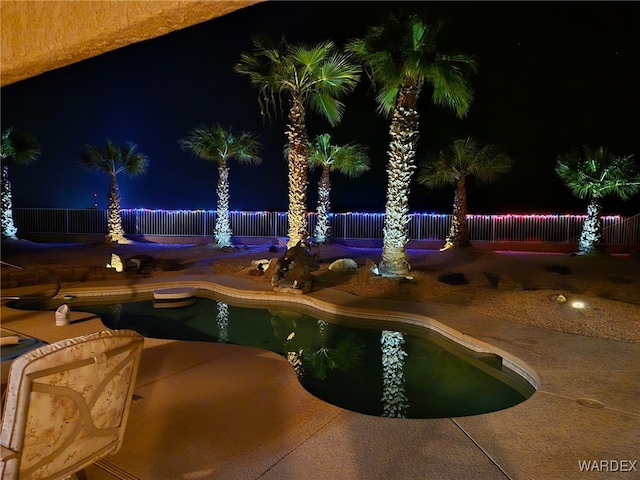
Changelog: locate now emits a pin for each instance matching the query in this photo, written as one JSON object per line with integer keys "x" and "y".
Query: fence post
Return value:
{"x": 344, "y": 226}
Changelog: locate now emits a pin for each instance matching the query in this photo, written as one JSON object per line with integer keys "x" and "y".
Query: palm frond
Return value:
{"x": 218, "y": 143}
{"x": 312, "y": 73}
{"x": 404, "y": 50}
{"x": 21, "y": 147}
{"x": 436, "y": 173}
{"x": 465, "y": 157}
{"x": 350, "y": 159}
{"x": 595, "y": 172}
{"x": 327, "y": 106}
{"x": 114, "y": 159}
{"x": 386, "y": 100}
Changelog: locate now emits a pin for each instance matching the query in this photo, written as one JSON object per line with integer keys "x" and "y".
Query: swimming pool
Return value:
{"x": 357, "y": 365}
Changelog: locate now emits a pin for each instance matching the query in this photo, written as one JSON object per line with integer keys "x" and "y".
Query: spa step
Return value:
{"x": 174, "y": 297}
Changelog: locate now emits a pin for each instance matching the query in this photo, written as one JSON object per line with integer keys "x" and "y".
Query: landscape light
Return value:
{"x": 578, "y": 304}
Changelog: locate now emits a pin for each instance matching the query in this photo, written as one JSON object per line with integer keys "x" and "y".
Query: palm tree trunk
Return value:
{"x": 298, "y": 174}
{"x": 459, "y": 232}
{"x": 115, "y": 232}
{"x": 322, "y": 233}
{"x": 402, "y": 149}
{"x": 9, "y": 230}
{"x": 222, "y": 232}
{"x": 591, "y": 236}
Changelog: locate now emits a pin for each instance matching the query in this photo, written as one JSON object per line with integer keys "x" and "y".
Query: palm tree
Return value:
{"x": 308, "y": 77}
{"x": 113, "y": 160}
{"x": 401, "y": 57}
{"x": 464, "y": 158}
{"x": 350, "y": 160}
{"x": 594, "y": 175}
{"x": 219, "y": 144}
{"x": 22, "y": 148}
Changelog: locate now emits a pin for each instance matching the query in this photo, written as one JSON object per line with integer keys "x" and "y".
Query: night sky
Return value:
{"x": 552, "y": 76}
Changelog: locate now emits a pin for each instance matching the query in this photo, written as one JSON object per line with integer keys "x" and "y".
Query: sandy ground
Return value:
{"x": 527, "y": 288}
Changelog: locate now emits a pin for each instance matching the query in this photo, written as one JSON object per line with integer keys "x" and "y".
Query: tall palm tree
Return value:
{"x": 350, "y": 160}
{"x": 219, "y": 144}
{"x": 308, "y": 77}
{"x": 115, "y": 159}
{"x": 464, "y": 158}
{"x": 402, "y": 56}
{"x": 22, "y": 148}
{"x": 595, "y": 174}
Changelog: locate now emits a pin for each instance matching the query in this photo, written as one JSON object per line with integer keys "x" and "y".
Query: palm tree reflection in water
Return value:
{"x": 116, "y": 313}
{"x": 222, "y": 319}
{"x": 394, "y": 398}
{"x": 310, "y": 353}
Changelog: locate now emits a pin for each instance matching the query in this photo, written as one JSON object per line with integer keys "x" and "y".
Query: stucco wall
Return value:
{"x": 38, "y": 36}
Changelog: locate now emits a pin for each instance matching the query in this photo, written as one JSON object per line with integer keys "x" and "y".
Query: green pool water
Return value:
{"x": 370, "y": 370}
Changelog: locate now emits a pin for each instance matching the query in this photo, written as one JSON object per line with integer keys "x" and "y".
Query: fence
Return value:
{"x": 348, "y": 226}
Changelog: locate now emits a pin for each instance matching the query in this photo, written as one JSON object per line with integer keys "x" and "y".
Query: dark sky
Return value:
{"x": 552, "y": 76}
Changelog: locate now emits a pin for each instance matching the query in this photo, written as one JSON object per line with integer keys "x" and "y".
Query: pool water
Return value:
{"x": 368, "y": 370}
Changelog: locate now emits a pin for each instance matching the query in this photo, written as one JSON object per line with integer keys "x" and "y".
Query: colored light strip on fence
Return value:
{"x": 379, "y": 214}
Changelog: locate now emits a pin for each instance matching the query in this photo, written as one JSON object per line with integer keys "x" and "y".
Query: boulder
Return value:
{"x": 343, "y": 265}
{"x": 116, "y": 263}
{"x": 294, "y": 269}
{"x": 261, "y": 264}
{"x": 140, "y": 263}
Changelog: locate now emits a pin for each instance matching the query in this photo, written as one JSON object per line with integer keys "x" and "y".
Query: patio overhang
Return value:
{"x": 41, "y": 36}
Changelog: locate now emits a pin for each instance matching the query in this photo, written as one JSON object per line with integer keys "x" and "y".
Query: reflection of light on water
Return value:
{"x": 222, "y": 319}
{"x": 295, "y": 360}
{"x": 394, "y": 398}
{"x": 322, "y": 328}
{"x": 295, "y": 357}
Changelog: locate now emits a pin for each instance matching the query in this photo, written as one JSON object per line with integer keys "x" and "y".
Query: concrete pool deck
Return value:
{"x": 220, "y": 411}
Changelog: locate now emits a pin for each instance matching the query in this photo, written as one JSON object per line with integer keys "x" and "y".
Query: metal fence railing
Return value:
{"x": 618, "y": 230}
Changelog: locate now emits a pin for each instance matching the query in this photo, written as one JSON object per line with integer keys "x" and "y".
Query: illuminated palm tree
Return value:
{"x": 594, "y": 175}
{"x": 402, "y": 57}
{"x": 22, "y": 148}
{"x": 464, "y": 158}
{"x": 308, "y": 77}
{"x": 113, "y": 160}
{"x": 350, "y": 160}
{"x": 219, "y": 144}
